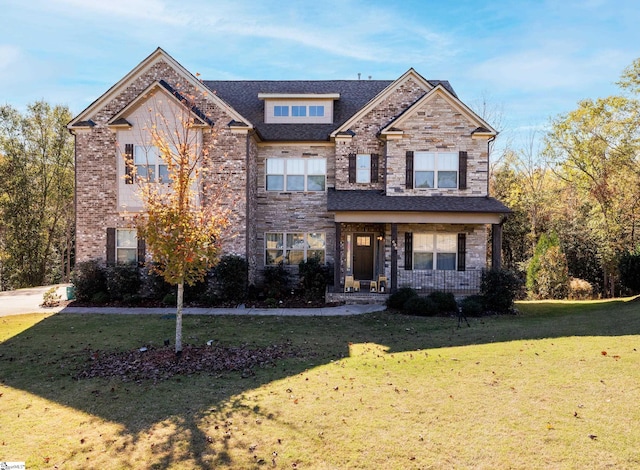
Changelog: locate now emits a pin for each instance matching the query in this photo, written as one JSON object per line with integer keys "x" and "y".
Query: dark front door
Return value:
{"x": 363, "y": 256}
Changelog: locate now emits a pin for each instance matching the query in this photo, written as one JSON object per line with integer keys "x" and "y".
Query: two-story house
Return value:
{"x": 386, "y": 179}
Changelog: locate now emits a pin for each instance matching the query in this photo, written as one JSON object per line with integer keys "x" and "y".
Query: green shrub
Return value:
{"x": 421, "y": 306}
{"x": 397, "y": 300}
{"x": 314, "y": 278}
{"x": 445, "y": 301}
{"x": 276, "y": 282}
{"x": 153, "y": 285}
{"x": 229, "y": 281}
{"x": 473, "y": 306}
{"x": 170, "y": 300}
{"x": 500, "y": 287}
{"x": 122, "y": 281}
{"x": 629, "y": 268}
{"x": 89, "y": 279}
{"x": 100, "y": 298}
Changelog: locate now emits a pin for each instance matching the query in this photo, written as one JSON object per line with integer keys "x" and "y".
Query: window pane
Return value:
{"x": 273, "y": 241}
{"x": 295, "y": 183}
{"x": 447, "y": 242}
{"x": 363, "y": 161}
{"x": 141, "y": 172}
{"x": 315, "y": 183}
{"x": 275, "y": 183}
{"x": 275, "y": 166}
{"x": 274, "y": 257}
{"x": 126, "y": 238}
{"x": 319, "y": 254}
{"x": 316, "y": 240}
{"x": 424, "y": 179}
{"x": 298, "y": 110}
{"x": 423, "y": 242}
{"x": 126, "y": 255}
{"x": 363, "y": 241}
{"x": 447, "y": 261}
{"x": 294, "y": 257}
{"x": 424, "y": 161}
{"x": 447, "y": 179}
{"x": 363, "y": 176}
{"x": 281, "y": 110}
{"x": 163, "y": 174}
{"x": 422, "y": 260}
{"x": 295, "y": 166}
{"x": 317, "y": 166}
{"x": 295, "y": 241}
{"x": 448, "y": 161}
{"x": 145, "y": 155}
{"x": 316, "y": 111}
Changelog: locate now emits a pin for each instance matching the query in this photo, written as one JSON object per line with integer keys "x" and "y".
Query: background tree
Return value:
{"x": 36, "y": 195}
{"x": 182, "y": 231}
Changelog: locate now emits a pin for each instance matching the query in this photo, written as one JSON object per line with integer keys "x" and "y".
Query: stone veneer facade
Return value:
{"x": 239, "y": 158}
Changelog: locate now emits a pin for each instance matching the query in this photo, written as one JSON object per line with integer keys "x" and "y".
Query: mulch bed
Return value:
{"x": 163, "y": 363}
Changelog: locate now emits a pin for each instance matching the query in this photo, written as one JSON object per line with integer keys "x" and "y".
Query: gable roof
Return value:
{"x": 483, "y": 128}
{"x": 157, "y": 56}
{"x": 373, "y": 200}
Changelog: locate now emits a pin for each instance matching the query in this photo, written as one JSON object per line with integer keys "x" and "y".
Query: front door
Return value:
{"x": 363, "y": 256}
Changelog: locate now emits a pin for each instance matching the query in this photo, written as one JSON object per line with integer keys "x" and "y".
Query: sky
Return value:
{"x": 527, "y": 61}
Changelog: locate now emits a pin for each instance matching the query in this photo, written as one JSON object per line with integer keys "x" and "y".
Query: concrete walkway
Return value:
{"x": 28, "y": 301}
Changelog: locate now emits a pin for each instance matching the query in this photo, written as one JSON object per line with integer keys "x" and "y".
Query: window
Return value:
{"x": 149, "y": 166}
{"x": 296, "y": 174}
{"x": 281, "y": 110}
{"x": 126, "y": 246}
{"x": 316, "y": 111}
{"x": 363, "y": 168}
{"x": 436, "y": 170}
{"x": 292, "y": 248}
{"x": 299, "y": 111}
{"x": 435, "y": 251}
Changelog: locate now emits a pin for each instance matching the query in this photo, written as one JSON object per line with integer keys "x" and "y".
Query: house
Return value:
{"x": 386, "y": 179}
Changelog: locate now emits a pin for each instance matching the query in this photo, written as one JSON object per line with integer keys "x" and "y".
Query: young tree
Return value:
{"x": 181, "y": 229}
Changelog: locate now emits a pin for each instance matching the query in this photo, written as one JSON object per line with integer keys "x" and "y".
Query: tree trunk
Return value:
{"x": 179, "y": 319}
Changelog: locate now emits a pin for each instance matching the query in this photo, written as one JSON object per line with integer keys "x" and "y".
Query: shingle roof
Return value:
{"x": 354, "y": 95}
{"x": 368, "y": 200}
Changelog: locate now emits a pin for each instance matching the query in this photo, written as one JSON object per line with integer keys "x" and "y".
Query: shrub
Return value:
{"x": 230, "y": 278}
{"x": 422, "y": 306}
{"x": 579, "y": 289}
{"x": 89, "y": 279}
{"x": 314, "y": 278}
{"x": 548, "y": 273}
{"x": 100, "y": 298}
{"x": 170, "y": 300}
{"x": 499, "y": 288}
{"x": 153, "y": 285}
{"x": 397, "y": 300}
{"x": 276, "y": 282}
{"x": 51, "y": 298}
{"x": 122, "y": 281}
{"x": 629, "y": 268}
{"x": 473, "y": 306}
{"x": 445, "y": 301}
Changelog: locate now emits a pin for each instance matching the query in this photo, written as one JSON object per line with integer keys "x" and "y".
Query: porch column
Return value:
{"x": 394, "y": 257}
{"x": 337, "y": 262}
{"x": 496, "y": 246}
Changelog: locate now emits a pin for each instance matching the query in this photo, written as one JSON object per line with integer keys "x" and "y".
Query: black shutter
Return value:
{"x": 462, "y": 170}
{"x": 142, "y": 250}
{"x": 409, "y": 182}
{"x": 128, "y": 164}
{"x": 374, "y": 167}
{"x": 462, "y": 251}
{"x": 352, "y": 168}
{"x": 408, "y": 251}
{"x": 111, "y": 246}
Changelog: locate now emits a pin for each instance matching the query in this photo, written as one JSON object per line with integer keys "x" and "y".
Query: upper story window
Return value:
{"x": 363, "y": 168}
{"x": 298, "y": 111}
{"x": 149, "y": 166}
{"x": 317, "y": 111}
{"x": 296, "y": 174}
{"x": 436, "y": 170}
{"x": 281, "y": 111}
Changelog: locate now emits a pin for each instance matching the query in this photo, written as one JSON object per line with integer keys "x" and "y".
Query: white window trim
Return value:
{"x": 435, "y": 252}
{"x": 361, "y": 171}
{"x": 149, "y": 150}
{"x": 306, "y": 175}
{"x": 436, "y": 170}
{"x": 306, "y": 249}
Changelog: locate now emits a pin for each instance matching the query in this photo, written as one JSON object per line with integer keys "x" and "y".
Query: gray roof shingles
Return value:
{"x": 371, "y": 200}
{"x": 354, "y": 95}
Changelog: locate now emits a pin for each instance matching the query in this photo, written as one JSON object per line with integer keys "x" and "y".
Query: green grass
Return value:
{"x": 371, "y": 391}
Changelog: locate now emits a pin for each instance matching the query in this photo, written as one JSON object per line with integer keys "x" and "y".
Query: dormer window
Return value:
{"x": 298, "y": 108}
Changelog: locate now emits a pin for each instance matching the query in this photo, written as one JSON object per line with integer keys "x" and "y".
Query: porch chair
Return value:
{"x": 348, "y": 283}
{"x": 382, "y": 284}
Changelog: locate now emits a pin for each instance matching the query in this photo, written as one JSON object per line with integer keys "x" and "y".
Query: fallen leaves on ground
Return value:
{"x": 162, "y": 363}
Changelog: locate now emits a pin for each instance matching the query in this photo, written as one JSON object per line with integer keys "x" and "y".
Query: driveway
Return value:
{"x": 28, "y": 300}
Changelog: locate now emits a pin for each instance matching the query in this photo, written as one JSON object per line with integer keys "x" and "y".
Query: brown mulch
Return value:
{"x": 163, "y": 363}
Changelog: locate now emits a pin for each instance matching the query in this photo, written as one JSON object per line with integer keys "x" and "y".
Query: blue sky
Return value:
{"x": 529, "y": 60}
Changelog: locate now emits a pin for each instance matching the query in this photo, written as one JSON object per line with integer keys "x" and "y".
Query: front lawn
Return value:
{"x": 553, "y": 387}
